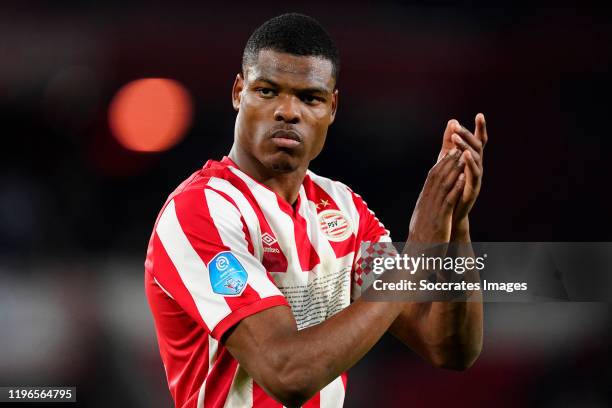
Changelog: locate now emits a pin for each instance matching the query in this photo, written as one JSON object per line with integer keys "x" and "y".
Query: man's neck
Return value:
{"x": 286, "y": 185}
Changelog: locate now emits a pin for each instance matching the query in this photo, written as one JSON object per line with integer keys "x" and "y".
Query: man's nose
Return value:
{"x": 288, "y": 109}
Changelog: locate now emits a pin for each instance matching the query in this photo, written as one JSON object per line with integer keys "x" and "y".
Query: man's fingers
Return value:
{"x": 451, "y": 172}
{"x": 449, "y": 131}
{"x": 466, "y": 135}
{"x": 453, "y": 195}
{"x": 474, "y": 169}
{"x": 452, "y": 155}
{"x": 447, "y": 143}
{"x": 481, "y": 129}
{"x": 464, "y": 146}
{"x": 448, "y": 176}
{"x": 448, "y": 163}
{"x": 443, "y": 175}
{"x": 461, "y": 168}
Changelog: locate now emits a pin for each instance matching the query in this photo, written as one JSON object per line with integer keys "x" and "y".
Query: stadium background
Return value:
{"x": 77, "y": 208}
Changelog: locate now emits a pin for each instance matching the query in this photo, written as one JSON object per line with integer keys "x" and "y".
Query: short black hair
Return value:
{"x": 292, "y": 33}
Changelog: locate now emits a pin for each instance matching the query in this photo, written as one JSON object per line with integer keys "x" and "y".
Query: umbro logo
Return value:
{"x": 268, "y": 240}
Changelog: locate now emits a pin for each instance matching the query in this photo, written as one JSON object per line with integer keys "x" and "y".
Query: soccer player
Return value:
{"x": 251, "y": 271}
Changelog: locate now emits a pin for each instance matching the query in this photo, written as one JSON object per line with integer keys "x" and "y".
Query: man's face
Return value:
{"x": 285, "y": 104}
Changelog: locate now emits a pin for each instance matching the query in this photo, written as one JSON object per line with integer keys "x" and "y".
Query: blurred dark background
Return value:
{"x": 77, "y": 207}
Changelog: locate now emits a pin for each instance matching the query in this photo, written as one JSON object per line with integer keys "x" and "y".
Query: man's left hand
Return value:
{"x": 472, "y": 146}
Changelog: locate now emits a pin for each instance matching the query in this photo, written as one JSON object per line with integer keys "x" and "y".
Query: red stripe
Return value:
{"x": 314, "y": 402}
{"x": 248, "y": 296}
{"x": 177, "y": 331}
{"x": 220, "y": 379}
{"x": 246, "y": 233}
{"x": 306, "y": 253}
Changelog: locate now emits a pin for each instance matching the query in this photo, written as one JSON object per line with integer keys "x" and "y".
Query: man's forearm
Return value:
{"x": 446, "y": 333}
{"x": 332, "y": 347}
{"x": 455, "y": 327}
{"x": 293, "y": 365}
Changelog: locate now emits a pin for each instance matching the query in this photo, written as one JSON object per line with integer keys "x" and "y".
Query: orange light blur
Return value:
{"x": 150, "y": 115}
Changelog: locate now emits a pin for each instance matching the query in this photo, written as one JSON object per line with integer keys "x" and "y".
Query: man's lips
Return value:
{"x": 286, "y": 138}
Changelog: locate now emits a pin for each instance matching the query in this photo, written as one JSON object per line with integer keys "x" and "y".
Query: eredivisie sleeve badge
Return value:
{"x": 227, "y": 275}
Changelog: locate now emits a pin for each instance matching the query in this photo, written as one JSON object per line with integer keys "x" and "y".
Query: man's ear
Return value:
{"x": 334, "y": 106}
{"x": 237, "y": 91}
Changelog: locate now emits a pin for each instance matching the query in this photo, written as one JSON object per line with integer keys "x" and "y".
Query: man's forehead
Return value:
{"x": 308, "y": 71}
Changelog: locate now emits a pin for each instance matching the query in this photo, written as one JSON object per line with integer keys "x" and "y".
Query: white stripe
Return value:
{"x": 162, "y": 288}
{"x": 332, "y": 396}
{"x": 211, "y": 306}
{"x": 245, "y": 209}
{"x": 280, "y": 223}
{"x": 212, "y": 356}
{"x": 201, "y": 394}
{"x": 213, "y": 345}
{"x": 240, "y": 394}
{"x": 227, "y": 221}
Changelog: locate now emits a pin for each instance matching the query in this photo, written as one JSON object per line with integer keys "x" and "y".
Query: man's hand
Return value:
{"x": 472, "y": 148}
{"x": 431, "y": 220}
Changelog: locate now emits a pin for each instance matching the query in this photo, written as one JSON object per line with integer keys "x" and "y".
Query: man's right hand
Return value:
{"x": 431, "y": 220}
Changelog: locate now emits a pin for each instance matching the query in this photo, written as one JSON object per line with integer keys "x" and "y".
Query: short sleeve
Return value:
{"x": 203, "y": 258}
{"x": 370, "y": 230}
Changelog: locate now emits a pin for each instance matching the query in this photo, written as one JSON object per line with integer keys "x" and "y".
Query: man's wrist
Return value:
{"x": 461, "y": 231}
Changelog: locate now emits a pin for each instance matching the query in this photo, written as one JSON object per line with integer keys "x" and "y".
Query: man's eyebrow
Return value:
{"x": 262, "y": 79}
{"x": 311, "y": 89}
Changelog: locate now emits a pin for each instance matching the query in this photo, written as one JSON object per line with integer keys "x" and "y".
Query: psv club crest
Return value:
{"x": 335, "y": 225}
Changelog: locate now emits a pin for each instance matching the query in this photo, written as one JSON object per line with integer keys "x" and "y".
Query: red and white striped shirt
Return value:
{"x": 225, "y": 247}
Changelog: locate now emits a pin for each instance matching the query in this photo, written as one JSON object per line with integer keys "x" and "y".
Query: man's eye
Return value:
{"x": 265, "y": 92}
{"x": 311, "y": 100}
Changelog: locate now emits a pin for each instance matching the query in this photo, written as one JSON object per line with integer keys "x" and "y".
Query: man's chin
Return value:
{"x": 283, "y": 162}
{"x": 283, "y": 167}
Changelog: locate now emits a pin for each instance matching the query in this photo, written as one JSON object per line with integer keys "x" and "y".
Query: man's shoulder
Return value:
{"x": 329, "y": 185}
{"x": 193, "y": 189}
{"x": 336, "y": 190}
